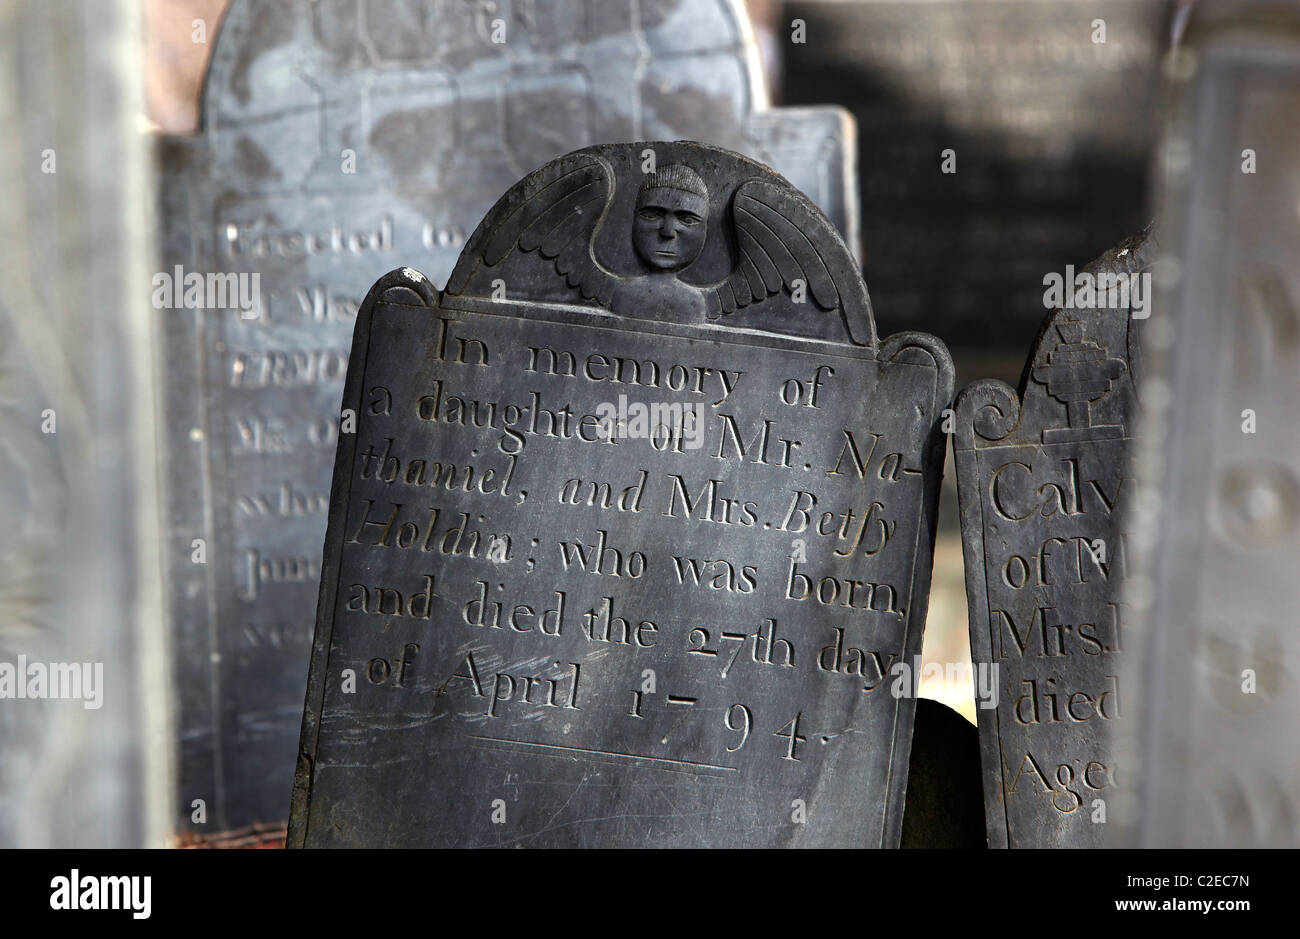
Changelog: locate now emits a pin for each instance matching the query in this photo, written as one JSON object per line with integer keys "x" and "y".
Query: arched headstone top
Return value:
{"x": 263, "y": 43}
{"x": 293, "y": 84}
{"x": 1081, "y": 379}
{"x": 680, "y": 232}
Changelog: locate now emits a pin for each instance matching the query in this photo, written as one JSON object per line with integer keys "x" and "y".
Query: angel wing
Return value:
{"x": 557, "y": 213}
{"x": 776, "y": 253}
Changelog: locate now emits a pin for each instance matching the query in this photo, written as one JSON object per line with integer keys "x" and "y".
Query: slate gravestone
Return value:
{"x": 1220, "y": 455}
{"x": 83, "y": 675}
{"x": 1043, "y": 479}
{"x": 636, "y": 520}
{"x": 340, "y": 139}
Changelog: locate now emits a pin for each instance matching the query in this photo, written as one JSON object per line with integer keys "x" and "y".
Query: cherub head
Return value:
{"x": 672, "y": 213}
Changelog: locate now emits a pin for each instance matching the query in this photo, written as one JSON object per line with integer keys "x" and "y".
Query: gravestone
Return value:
{"x": 1043, "y": 478}
{"x": 636, "y": 520}
{"x": 1219, "y": 459}
{"x": 83, "y": 673}
{"x": 339, "y": 138}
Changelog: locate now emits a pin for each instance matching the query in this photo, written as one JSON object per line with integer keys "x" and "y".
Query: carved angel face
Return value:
{"x": 669, "y": 228}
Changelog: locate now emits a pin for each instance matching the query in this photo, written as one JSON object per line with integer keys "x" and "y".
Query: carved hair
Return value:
{"x": 677, "y": 176}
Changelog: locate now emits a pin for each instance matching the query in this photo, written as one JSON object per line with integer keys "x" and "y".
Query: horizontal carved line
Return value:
{"x": 626, "y": 756}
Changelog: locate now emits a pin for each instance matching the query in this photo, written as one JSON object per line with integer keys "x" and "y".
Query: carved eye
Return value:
{"x": 650, "y": 215}
{"x": 689, "y": 218}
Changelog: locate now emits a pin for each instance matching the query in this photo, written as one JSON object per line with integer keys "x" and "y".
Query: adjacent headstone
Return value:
{"x": 84, "y": 760}
{"x": 634, "y": 523}
{"x": 1043, "y": 478}
{"x": 1219, "y": 658}
{"x": 340, "y": 138}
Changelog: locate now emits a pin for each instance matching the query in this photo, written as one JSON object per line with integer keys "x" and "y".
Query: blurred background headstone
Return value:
{"x": 80, "y": 592}
{"x": 1047, "y": 108}
{"x": 1217, "y": 753}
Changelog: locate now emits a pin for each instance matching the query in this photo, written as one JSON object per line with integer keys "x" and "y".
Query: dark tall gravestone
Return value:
{"x": 636, "y": 518}
{"x": 1218, "y": 665}
{"x": 340, "y": 138}
{"x": 1043, "y": 479}
{"x": 1045, "y": 111}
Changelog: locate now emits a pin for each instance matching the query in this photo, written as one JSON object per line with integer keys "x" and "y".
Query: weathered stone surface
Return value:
{"x": 641, "y": 638}
{"x": 1043, "y": 478}
{"x": 81, "y": 617}
{"x": 341, "y": 138}
{"x": 1219, "y": 458}
{"x": 944, "y": 806}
